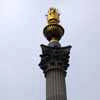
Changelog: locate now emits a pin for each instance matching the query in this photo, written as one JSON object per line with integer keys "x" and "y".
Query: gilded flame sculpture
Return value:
{"x": 53, "y": 16}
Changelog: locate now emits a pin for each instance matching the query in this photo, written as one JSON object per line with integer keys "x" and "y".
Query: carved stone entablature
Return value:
{"x": 54, "y": 58}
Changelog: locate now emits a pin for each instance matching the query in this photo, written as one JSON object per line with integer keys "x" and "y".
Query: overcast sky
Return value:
{"x": 21, "y": 26}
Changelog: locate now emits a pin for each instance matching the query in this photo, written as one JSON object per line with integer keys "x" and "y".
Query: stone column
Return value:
{"x": 54, "y": 63}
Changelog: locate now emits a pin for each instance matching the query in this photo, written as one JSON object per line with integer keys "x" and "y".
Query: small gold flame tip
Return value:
{"x": 53, "y": 16}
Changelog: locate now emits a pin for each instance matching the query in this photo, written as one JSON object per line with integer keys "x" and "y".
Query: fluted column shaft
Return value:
{"x": 55, "y": 85}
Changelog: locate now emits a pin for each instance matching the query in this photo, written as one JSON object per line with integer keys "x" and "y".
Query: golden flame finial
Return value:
{"x": 53, "y": 16}
{"x": 53, "y": 31}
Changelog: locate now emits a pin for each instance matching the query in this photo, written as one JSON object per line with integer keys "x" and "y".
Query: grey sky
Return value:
{"x": 21, "y": 25}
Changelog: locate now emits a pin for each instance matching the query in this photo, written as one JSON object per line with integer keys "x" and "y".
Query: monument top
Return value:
{"x": 53, "y": 31}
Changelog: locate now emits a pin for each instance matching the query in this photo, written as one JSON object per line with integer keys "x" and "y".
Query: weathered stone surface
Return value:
{"x": 54, "y": 63}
